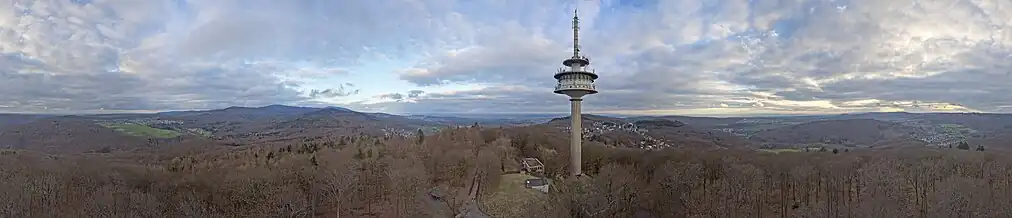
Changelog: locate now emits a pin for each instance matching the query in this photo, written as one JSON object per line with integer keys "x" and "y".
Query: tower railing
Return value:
{"x": 569, "y": 70}
{"x": 575, "y": 86}
{"x": 581, "y": 57}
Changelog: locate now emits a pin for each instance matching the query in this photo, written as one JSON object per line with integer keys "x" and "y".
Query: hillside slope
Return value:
{"x": 1000, "y": 139}
{"x": 344, "y": 122}
{"x": 686, "y": 135}
{"x": 649, "y": 133}
{"x": 67, "y": 135}
{"x": 276, "y": 124}
{"x": 852, "y": 132}
{"x": 15, "y": 119}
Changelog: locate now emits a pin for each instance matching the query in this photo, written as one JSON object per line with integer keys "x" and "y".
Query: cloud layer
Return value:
{"x": 654, "y": 57}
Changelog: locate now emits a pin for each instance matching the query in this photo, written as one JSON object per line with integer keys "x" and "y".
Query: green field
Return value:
{"x": 760, "y": 127}
{"x": 953, "y": 126}
{"x": 139, "y": 130}
{"x": 779, "y": 150}
{"x": 199, "y": 132}
{"x": 956, "y": 128}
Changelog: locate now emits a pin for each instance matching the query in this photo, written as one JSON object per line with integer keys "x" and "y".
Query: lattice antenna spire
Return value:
{"x": 576, "y": 33}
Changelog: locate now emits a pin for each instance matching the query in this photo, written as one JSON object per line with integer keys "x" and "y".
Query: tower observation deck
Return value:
{"x": 576, "y": 80}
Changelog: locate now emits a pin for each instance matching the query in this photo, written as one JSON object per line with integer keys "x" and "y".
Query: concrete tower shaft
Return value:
{"x": 575, "y": 137}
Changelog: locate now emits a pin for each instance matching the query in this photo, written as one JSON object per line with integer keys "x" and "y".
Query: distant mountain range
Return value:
{"x": 239, "y": 126}
{"x": 650, "y": 133}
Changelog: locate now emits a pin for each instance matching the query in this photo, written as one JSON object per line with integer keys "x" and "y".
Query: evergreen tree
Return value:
{"x": 421, "y": 136}
{"x": 963, "y": 145}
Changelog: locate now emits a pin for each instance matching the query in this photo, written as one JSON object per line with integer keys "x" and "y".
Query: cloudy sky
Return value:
{"x": 695, "y": 57}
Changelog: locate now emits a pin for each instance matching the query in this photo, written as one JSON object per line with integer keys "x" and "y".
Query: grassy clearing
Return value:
{"x": 511, "y": 197}
{"x": 950, "y": 125}
{"x": 956, "y": 128}
{"x": 761, "y": 127}
{"x": 199, "y": 132}
{"x": 139, "y": 130}
{"x": 779, "y": 150}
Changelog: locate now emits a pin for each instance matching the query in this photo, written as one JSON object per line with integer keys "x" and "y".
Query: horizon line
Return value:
{"x": 602, "y": 113}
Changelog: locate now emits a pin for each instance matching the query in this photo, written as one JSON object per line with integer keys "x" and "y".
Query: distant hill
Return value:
{"x": 483, "y": 121}
{"x": 238, "y": 121}
{"x": 648, "y": 133}
{"x": 15, "y": 119}
{"x": 66, "y": 134}
{"x": 1000, "y": 139}
{"x": 587, "y": 118}
{"x": 686, "y": 135}
{"x": 852, "y": 132}
{"x": 279, "y": 124}
{"x": 493, "y": 117}
{"x": 242, "y": 113}
{"x": 977, "y": 121}
{"x": 233, "y": 126}
{"x": 701, "y": 122}
{"x": 329, "y": 121}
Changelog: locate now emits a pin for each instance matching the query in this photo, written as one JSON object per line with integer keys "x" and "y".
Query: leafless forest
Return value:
{"x": 358, "y": 176}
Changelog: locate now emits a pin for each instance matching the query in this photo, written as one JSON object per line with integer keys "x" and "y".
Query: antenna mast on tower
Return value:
{"x": 576, "y": 33}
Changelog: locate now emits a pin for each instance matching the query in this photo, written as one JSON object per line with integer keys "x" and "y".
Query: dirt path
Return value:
{"x": 438, "y": 207}
{"x": 471, "y": 209}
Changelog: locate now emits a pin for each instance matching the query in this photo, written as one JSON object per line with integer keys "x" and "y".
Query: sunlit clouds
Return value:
{"x": 408, "y": 56}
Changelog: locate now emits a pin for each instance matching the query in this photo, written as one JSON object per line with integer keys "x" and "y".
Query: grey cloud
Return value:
{"x": 483, "y": 100}
{"x": 342, "y": 91}
{"x": 775, "y": 55}
{"x": 415, "y": 93}
{"x": 209, "y": 88}
{"x": 513, "y": 60}
{"x": 982, "y": 93}
{"x": 158, "y": 55}
{"x": 793, "y": 51}
{"x": 316, "y": 73}
{"x": 394, "y": 96}
{"x": 40, "y": 91}
{"x": 295, "y": 33}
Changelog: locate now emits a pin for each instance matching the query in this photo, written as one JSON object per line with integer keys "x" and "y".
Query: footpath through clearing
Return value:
{"x": 471, "y": 209}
